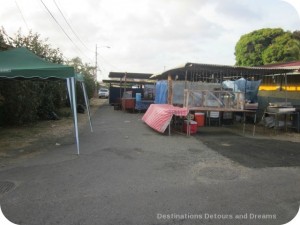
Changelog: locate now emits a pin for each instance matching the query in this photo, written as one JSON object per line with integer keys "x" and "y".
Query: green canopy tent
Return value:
{"x": 20, "y": 63}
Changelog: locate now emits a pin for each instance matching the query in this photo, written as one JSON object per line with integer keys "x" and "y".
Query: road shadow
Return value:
{"x": 250, "y": 152}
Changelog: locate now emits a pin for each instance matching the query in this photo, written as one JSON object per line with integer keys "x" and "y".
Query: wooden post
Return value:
{"x": 188, "y": 98}
{"x": 186, "y": 93}
{"x": 185, "y": 80}
{"x": 170, "y": 90}
{"x": 285, "y": 93}
{"x": 125, "y": 80}
{"x": 185, "y": 98}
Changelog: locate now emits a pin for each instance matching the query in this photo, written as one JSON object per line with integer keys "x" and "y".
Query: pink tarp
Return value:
{"x": 158, "y": 116}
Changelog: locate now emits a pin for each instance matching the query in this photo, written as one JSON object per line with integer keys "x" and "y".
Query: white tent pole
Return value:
{"x": 69, "y": 92}
{"x": 75, "y": 111}
{"x": 70, "y": 99}
{"x": 87, "y": 104}
{"x": 72, "y": 96}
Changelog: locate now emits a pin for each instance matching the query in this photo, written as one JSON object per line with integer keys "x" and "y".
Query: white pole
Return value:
{"x": 87, "y": 104}
{"x": 72, "y": 96}
{"x": 75, "y": 111}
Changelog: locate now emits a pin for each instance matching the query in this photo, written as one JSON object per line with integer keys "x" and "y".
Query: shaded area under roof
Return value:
{"x": 127, "y": 82}
{"x": 130, "y": 75}
{"x": 192, "y": 71}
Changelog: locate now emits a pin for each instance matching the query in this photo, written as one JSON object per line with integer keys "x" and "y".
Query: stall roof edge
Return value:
{"x": 130, "y": 75}
{"x": 129, "y": 82}
{"x": 214, "y": 68}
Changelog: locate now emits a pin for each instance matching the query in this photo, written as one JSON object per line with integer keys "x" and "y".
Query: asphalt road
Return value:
{"x": 129, "y": 174}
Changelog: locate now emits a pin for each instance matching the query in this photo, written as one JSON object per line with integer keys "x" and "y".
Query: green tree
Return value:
{"x": 88, "y": 74}
{"x": 38, "y": 46}
{"x": 266, "y": 46}
{"x": 3, "y": 40}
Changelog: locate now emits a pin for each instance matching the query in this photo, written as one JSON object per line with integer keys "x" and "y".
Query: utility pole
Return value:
{"x": 96, "y": 63}
{"x": 96, "y": 69}
{"x": 96, "y": 59}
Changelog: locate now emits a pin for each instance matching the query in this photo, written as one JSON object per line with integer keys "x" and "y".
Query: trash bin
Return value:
{"x": 200, "y": 118}
{"x": 193, "y": 126}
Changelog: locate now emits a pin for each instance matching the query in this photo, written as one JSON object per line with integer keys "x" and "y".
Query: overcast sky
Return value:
{"x": 147, "y": 36}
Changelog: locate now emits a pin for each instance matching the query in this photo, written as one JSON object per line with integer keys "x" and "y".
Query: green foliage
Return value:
{"x": 3, "y": 41}
{"x": 266, "y": 46}
{"x": 283, "y": 49}
{"x": 52, "y": 96}
{"x": 20, "y": 102}
{"x": 40, "y": 47}
{"x": 89, "y": 79}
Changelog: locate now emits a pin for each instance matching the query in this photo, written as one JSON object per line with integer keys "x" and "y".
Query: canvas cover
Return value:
{"x": 158, "y": 116}
{"x": 161, "y": 92}
{"x": 22, "y": 63}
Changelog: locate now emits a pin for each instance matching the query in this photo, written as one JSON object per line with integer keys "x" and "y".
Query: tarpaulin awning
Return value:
{"x": 22, "y": 63}
{"x": 158, "y": 116}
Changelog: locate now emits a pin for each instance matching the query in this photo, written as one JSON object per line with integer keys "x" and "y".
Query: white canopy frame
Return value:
{"x": 71, "y": 82}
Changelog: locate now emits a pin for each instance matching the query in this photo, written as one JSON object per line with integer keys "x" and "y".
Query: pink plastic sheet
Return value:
{"x": 158, "y": 116}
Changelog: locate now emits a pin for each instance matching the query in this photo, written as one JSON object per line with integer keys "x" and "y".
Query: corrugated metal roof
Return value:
{"x": 130, "y": 75}
{"x": 129, "y": 82}
{"x": 293, "y": 64}
{"x": 199, "y": 69}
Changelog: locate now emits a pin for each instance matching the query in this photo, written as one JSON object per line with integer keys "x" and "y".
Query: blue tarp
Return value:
{"x": 250, "y": 88}
{"x": 161, "y": 92}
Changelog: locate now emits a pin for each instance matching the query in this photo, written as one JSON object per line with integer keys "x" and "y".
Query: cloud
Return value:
{"x": 238, "y": 10}
{"x": 148, "y": 35}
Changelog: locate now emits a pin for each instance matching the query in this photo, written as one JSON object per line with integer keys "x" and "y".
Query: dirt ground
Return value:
{"x": 31, "y": 139}
{"x": 34, "y": 138}
{"x": 269, "y": 133}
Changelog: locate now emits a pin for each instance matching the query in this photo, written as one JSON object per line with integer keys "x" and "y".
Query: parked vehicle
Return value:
{"x": 103, "y": 93}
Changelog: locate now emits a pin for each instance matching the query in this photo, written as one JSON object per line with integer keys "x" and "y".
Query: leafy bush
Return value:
{"x": 89, "y": 79}
{"x": 26, "y": 101}
{"x": 20, "y": 103}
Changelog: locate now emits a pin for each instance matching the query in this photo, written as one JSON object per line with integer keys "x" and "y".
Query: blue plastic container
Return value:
{"x": 138, "y": 97}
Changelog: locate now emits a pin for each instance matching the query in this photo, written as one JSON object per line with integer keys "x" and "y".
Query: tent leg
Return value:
{"x": 72, "y": 96}
{"x": 87, "y": 104}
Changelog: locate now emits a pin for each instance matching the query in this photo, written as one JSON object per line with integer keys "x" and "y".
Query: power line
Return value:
{"x": 70, "y": 26}
{"x": 22, "y": 15}
{"x": 107, "y": 62}
{"x": 63, "y": 30}
{"x": 62, "y": 14}
{"x": 73, "y": 31}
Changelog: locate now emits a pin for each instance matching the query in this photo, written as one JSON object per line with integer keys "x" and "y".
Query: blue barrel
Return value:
{"x": 138, "y": 97}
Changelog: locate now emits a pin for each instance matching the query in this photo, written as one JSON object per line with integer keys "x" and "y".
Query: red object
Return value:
{"x": 200, "y": 118}
{"x": 158, "y": 116}
{"x": 128, "y": 103}
{"x": 193, "y": 126}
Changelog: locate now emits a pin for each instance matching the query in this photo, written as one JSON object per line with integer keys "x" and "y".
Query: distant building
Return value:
{"x": 278, "y": 82}
{"x": 281, "y": 88}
